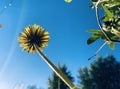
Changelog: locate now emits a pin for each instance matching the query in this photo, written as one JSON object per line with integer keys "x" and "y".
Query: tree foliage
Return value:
{"x": 109, "y": 23}
{"x": 103, "y": 73}
{"x": 33, "y": 87}
{"x": 56, "y": 83}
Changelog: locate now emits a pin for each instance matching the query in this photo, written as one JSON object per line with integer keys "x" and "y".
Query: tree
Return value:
{"x": 104, "y": 73}
{"x": 56, "y": 83}
{"x": 33, "y": 87}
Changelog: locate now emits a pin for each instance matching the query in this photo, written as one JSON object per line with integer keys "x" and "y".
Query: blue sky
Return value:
{"x": 67, "y": 25}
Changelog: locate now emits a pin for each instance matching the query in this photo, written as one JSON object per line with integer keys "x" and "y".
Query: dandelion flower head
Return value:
{"x": 32, "y": 37}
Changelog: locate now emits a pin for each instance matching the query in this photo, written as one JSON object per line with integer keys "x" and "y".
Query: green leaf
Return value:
{"x": 94, "y": 31}
{"x": 92, "y": 39}
{"x": 108, "y": 12}
{"x": 106, "y": 18}
{"x": 94, "y": 0}
{"x": 114, "y": 37}
{"x": 112, "y": 46}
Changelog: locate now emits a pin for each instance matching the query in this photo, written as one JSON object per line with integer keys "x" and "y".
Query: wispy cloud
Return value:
{"x": 19, "y": 86}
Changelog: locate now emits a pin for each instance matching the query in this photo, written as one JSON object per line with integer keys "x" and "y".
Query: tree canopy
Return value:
{"x": 56, "y": 83}
{"x": 104, "y": 73}
{"x": 33, "y": 87}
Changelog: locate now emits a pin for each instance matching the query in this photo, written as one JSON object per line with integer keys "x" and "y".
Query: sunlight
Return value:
{"x": 9, "y": 3}
{"x": 8, "y": 58}
{"x": 3, "y": 85}
{"x": 14, "y": 41}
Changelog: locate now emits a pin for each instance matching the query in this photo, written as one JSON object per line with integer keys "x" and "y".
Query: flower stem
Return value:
{"x": 56, "y": 70}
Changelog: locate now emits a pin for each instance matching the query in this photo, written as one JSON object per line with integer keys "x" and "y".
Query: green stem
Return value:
{"x": 55, "y": 69}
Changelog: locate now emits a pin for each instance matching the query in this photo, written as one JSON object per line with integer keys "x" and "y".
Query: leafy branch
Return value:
{"x": 99, "y": 24}
{"x": 110, "y": 28}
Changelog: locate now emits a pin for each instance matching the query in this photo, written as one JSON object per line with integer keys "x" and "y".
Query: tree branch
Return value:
{"x": 98, "y": 50}
{"x": 100, "y": 25}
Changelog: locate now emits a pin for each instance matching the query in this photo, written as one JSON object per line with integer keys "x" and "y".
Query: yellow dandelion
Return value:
{"x": 34, "y": 39}
{"x": 33, "y": 36}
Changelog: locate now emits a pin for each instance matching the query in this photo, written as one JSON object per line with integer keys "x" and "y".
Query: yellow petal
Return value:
{"x": 35, "y": 26}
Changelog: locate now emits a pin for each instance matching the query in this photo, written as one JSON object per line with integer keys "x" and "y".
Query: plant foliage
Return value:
{"x": 109, "y": 23}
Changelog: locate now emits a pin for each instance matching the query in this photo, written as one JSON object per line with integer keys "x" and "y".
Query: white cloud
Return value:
{"x": 19, "y": 86}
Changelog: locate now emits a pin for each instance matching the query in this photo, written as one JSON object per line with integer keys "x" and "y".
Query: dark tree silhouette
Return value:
{"x": 33, "y": 87}
{"x": 103, "y": 73}
{"x": 55, "y": 82}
